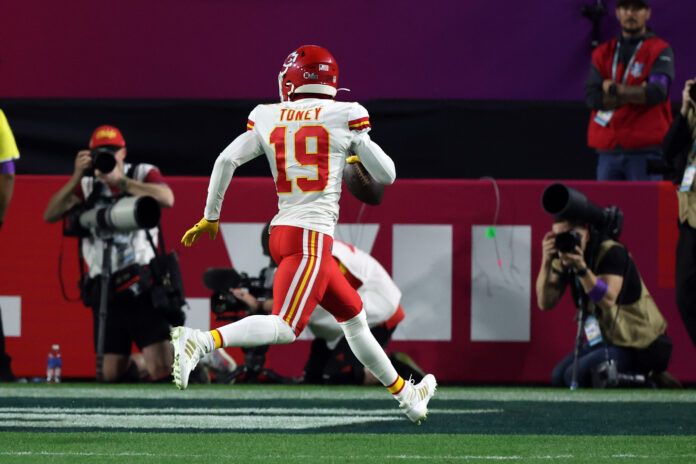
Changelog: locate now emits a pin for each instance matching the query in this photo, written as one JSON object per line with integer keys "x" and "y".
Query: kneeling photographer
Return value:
{"x": 115, "y": 207}
{"x": 624, "y": 332}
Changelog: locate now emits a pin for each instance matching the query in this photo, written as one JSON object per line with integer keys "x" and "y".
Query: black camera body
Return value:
{"x": 567, "y": 241}
{"x": 103, "y": 159}
{"x": 223, "y": 303}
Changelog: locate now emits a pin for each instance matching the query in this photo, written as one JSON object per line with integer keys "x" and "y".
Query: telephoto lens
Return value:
{"x": 125, "y": 215}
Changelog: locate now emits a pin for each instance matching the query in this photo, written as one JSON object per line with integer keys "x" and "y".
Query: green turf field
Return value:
{"x": 83, "y": 423}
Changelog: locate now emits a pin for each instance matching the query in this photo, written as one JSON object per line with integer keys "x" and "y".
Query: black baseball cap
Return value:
{"x": 638, "y": 3}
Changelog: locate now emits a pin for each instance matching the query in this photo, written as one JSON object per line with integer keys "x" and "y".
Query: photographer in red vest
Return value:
{"x": 628, "y": 92}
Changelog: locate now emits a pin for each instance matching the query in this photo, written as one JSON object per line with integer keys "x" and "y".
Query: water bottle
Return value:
{"x": 55, "y": 365}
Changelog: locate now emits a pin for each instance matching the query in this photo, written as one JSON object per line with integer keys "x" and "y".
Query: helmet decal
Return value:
{"x": 290, "y": 60}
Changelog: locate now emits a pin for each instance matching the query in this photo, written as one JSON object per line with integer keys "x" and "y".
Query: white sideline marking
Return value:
{"x": 173, "y": 421}
{"x": 13, "y": 411}
{"x": 202, "y": 418}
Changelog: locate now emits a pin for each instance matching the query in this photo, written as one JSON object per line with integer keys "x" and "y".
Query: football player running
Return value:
{"x": 306, "y": 139}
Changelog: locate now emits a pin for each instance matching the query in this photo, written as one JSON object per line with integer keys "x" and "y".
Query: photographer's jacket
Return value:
{"x": 680, "y": 152}
{"x": 130, "y": 247}
{"x": 634, "y": 321}
{"x": 632, "y": 127}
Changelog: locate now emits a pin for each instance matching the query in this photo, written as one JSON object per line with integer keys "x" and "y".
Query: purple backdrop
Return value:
{"x": 469, "y": 49}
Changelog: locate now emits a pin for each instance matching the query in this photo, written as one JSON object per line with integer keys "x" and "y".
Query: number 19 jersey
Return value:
{"x": 307, "y": 142}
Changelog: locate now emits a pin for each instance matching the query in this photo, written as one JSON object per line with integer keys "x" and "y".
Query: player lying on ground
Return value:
{"x": 306, "y": 139}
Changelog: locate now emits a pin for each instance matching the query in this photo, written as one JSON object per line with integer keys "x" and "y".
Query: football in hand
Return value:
{"x": 361, "y": 184}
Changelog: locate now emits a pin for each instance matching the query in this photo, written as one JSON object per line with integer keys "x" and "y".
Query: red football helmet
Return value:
{"x": 309, "y": 69}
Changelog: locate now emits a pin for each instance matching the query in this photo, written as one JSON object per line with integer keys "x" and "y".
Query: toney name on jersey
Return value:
{"x": 311, "y": 114}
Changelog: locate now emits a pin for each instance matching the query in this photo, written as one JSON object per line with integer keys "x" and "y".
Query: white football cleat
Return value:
{"x": 187, "y": 353}
{"x": 414, "y": 402}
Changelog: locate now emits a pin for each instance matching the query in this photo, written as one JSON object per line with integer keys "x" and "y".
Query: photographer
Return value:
{"x": 680, "y": 154}
{"x": 101, "y": 175}
{"x": 623, "y": 325}
{"x": 627, "y": 90}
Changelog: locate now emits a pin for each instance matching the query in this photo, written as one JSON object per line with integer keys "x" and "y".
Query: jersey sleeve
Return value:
{"x": 251, "y": 119}
{"x": 8, "y": 146}
{"x": 245, "y": 147}
{"x": 358, "y": 119}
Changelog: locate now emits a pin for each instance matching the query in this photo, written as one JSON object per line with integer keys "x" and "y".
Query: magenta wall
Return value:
{"x": 468, "y": 49}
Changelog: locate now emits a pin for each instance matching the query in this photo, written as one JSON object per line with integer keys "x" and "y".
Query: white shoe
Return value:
{"x": 187, "y": 352}
{"x": 414, "y": 401}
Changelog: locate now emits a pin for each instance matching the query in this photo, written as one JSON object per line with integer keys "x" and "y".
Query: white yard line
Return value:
{"x": 199, "y": 418}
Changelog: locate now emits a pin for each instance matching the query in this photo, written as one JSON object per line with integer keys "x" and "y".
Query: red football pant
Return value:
{"x": 307, "y": 275}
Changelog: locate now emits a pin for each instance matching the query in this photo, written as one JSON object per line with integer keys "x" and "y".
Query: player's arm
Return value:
{"x": 8, "y": 153}
{"x": 378, "y": 164}
{"x": 244, "y": 148}
{"x": 6, "y": 189}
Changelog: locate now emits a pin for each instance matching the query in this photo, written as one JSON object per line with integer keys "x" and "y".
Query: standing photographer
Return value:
{"x": 680, "y": 152}
{"x": 627, "y": 90}
{"x": 622, "y": 316}
{"x": 102, "y": 175}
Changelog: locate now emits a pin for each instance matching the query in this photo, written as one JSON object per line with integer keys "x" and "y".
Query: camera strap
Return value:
{"x": 159, "y": 249}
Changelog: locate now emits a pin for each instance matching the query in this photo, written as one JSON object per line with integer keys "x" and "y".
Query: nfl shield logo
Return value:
{"x": 637, "y": 69}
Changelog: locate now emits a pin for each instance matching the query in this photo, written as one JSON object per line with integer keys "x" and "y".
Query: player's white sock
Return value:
{"x": 256, "y": 331}
{"x": 208, "y": 340}
{"x": 369, "y": 352}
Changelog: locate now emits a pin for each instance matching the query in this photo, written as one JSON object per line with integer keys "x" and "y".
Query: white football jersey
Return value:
{"x": 379, "y": 293}
{"x": 306, "y": 143}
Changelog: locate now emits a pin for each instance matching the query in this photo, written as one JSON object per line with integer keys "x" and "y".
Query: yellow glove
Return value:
{"x": 194, "y": 232}
{"x": 352, "y": 159}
